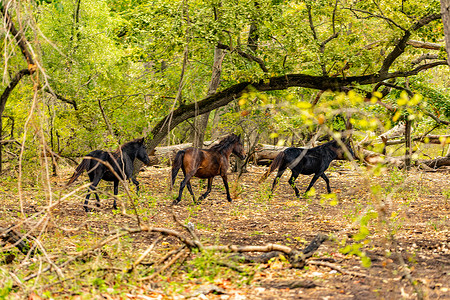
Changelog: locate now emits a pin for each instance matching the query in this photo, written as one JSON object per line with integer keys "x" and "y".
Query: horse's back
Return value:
{"x": 98, "y": 155}
{"x": 314, "y": 160}
{"x": 101, "y": 161}
{"x": 205, "y": 162}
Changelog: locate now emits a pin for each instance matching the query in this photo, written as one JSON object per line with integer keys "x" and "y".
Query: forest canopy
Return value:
{"x": 110, "y": 71}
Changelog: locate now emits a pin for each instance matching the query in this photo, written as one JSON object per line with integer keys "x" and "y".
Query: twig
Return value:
{"x": 191, "y": 230}
{"x": 146, "y": 252}
{"x": 230, "y": 266}
{"x": 166, "y": 266}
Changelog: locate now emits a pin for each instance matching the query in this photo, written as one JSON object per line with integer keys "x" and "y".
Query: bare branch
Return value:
{"x": 20, "y": 38}
{"x": 401, "y": 44}
{"x": 340, "y": 270}
{"x": 372, "y": 15}
{"x": 61, "y": 98}
{"x": 424, "y": 57}
{"x": 424, "y": 45}
{"x": 245, "y": 55}
{"x": 439, "y": 121}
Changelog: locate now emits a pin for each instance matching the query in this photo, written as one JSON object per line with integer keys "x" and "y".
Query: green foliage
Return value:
{"x": 127, "y": 56}
{"x": 6, "y": 287}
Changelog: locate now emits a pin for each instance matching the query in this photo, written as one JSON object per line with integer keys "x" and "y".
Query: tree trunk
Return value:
{"x": 202, "y": 121}
{"x": 445, "y": 15}
{"x": 408, "y": 152}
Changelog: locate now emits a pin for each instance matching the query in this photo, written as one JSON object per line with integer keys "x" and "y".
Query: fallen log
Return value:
{"x": 267, "y": 152}
{"x": 429, "y": 139}
{"x": 373, "y": 158}
{"x": 435, "y": 163}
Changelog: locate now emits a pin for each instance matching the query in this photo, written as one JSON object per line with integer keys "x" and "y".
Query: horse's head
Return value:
{"x": 341, "y": 151}
{"x": 238, "y": 148}
{"x": 141, "y": 152}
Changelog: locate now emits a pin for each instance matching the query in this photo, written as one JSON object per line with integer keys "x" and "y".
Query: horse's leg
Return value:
{"x": 189, "y": 187}
{"x": 277, "y": 178}
{"x": 292, "y": 183}
{"x": 136, "y": 183}
{"x": 313, "y": 180}
{"x": 225, "y": 183}
{"x": 86, "y": 201}
{"x": 92, "y": 189}
{"x": 116, "y": 192}
{"x": 327, "y": 181}
{"x": 182, "y": 185}
{"x": 208, "y": 190}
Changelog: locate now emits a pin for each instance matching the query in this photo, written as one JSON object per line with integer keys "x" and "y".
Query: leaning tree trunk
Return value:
{"x": 22, "y": 44}
{"x": 202, "y": 123}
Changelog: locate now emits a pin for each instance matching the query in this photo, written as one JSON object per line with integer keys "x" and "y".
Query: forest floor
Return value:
{"x": 415, "y": 209}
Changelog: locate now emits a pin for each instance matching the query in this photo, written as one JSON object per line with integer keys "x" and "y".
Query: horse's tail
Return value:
{"x": 273, "y": 166}
{"x": 177, "y": 163}
{"x": 84, "y": 165}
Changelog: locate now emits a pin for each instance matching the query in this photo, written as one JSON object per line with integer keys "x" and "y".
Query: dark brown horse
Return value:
{"x": 109, "y": 166}
{"x": 206, "y": 163}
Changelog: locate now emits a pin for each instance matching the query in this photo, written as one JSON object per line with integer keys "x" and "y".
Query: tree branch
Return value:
{"x": 63, "y": 99}
{"x": 224, "y": 97}
{"x": 401, "y": 44}
{"x": 424, "y": 45}
{"x": 20, "y": 39}
{"x": 424, "y": 57}
{"x": 372, "y": 15}
{"x": 245, "y": 55}
{"x": 12, "y": 84}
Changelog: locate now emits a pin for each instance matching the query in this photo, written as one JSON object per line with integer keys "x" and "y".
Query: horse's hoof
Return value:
{"x": 86, "y": 209}
{"x": 115, "y": 208}
{"x": 175, "y": 202}
{"x": 230, "y": 200}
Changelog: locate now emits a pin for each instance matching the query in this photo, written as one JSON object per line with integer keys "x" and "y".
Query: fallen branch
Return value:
{"x": 181, "y": 252}
{"x": 296, "y": 258}
{"x": 340, "y": 270}
{"x": 9, "y": 235}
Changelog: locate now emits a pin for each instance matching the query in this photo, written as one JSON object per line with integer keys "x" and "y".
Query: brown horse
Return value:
{"x": 206, "y": 163}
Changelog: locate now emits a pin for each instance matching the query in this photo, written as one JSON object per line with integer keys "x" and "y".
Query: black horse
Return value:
{"x": 109, "y": 166}
{"x": 206, "y": 163}
{"x": 307, "y": 161}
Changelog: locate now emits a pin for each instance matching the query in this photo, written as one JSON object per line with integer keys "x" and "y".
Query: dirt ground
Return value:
{"x": 416, "y": 206}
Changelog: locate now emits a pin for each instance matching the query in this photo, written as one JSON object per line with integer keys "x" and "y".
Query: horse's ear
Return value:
{"x": 141, "y": 141}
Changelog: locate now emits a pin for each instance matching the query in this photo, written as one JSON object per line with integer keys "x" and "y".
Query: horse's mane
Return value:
{"x": 126, "y": 145}
{"x": 226, "y": 143}
{"x": 329, "y": 143}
